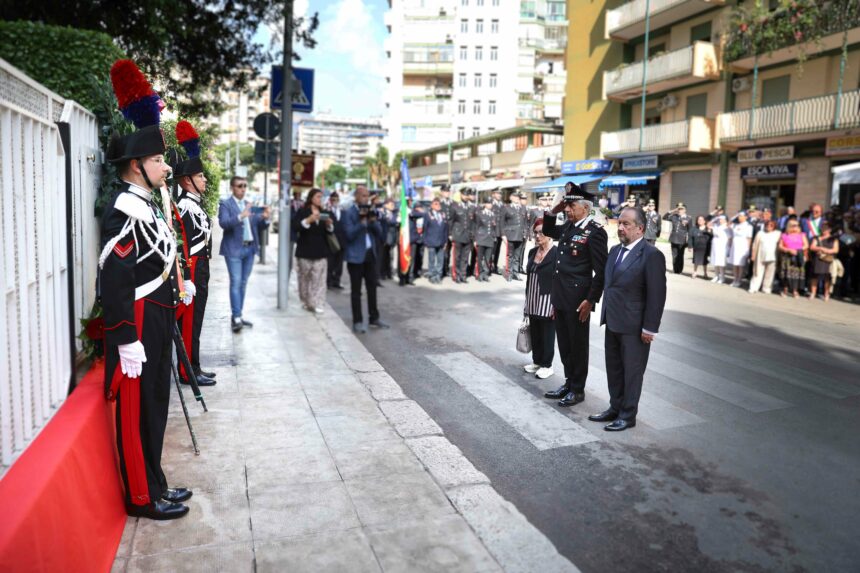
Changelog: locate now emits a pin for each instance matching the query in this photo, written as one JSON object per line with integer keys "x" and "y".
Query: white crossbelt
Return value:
{"x": 196, "y": 248}
{"x": 150, "y": 287}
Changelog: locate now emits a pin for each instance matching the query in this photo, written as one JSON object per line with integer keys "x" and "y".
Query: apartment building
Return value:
{"x": 458, "y": 69}
{"x": 241, "y": 107}
{"x": 700, "y": 118}
{"x": 344, "y": 140}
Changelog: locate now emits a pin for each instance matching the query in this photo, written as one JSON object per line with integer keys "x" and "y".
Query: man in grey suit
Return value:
{"x": 633, "y": 299}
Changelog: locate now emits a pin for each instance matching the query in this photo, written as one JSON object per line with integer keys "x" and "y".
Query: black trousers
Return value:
{"x": 367, "y": 272}
{"x": 446, "y": 263}
{"x": 678, "y": 258}
{"x": 573, "y": 348}
{"x": 542, "y": 331}
{"x": 485, "y": 260}
{"x": 514, "y": 261}
{"x": 497, "y": 249}
{"x": 521, "y": 256}
{"x": 335, "y": 269}
{"x": 201, "y": 283}
{"x": 156, "y": 335}
{"x": 626, "y": 359}
{"x": 462, "y": 252}
{"x": 473, "y": 259}
{"x": 417, "y": 252}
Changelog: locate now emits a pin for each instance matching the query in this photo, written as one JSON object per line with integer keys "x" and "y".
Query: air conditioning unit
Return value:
{"x": 668, "y": 102}
{"x": 741, "y": 84}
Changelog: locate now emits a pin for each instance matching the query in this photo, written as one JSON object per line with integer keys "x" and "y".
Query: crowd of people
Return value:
{"x": 813, "y": 254}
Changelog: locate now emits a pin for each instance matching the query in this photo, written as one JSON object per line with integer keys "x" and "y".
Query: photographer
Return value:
{"x": 364, "y": 238}
{"x": 312, "y": 251}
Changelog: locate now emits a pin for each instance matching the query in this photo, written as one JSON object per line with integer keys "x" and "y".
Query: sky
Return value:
{"x": 348, "y": 59}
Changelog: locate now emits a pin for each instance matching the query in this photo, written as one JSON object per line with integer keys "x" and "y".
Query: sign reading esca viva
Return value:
{"x": 784, "y": 171}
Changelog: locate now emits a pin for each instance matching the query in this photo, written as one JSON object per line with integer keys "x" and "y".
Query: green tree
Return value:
{"x": 358, "y": 172}
{"x": 334, "y": 174}
{"x": 210, "y": 45}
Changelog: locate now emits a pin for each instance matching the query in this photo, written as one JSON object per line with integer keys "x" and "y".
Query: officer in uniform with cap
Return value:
{"x": 469, "y": 197}
{"x": 514, "y": 221}
{"x": 681, "y": 223}
{"x": 653, "y": 223}
{"x": 139, "y": 288}
{"x": 485, "y": 238}
{"x": 446, "y": 203}
{"x": 498, "y": 207}
{"x": 461, "y": 237}
{"x": 195, "y": 228}
{"x": 576, "y": 287}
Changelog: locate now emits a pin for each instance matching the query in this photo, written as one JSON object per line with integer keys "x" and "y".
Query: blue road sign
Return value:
{"x": 303, "y": 89}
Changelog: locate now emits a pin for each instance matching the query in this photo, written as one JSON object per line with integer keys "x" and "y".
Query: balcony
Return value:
{"x": 428, "y": 110}
{"x": 628, "y": 20}
{"x": 811, "y": 118}
{"x": 666, "y": 72}
{"x": 544, "y": 44}
{"x": 428, "y": 61}
{"x": 694, "y": 135}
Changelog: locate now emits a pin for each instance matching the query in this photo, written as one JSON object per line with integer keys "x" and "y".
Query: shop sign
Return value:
{"x": 784, "y": 171}
{"x": 843, "y": 145}
{"x": 588, "y": 166}
{"x": 634, "y": 163}
{"x": 766, "y": 154}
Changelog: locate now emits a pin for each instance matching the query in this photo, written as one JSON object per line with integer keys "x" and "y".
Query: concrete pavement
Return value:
{"x": 313, "y": 459}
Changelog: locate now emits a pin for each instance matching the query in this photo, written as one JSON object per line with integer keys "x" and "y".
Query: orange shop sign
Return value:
{"x": 843, "y": 145}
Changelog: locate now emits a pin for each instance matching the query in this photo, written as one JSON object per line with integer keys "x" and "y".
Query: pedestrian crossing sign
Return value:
{"x": 302, "y": 89}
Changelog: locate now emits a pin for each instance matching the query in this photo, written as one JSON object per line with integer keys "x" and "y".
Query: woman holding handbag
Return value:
{"x": 314, "y": 226}
{"x": 825, "y": 248}
{"x": 538, "y": 308}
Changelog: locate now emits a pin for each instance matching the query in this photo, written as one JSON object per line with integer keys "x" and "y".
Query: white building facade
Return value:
{"x": 462, "y": 68}
{"x": 236, "y": 123}
{"x": 345, "y": 141}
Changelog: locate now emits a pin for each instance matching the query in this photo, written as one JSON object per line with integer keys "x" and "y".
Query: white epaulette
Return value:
{"x": 134, "y": 206}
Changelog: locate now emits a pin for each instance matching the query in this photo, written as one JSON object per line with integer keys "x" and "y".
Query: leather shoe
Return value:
{"x": 247, "y": 323}
{"x": 359, "y": 328}
{"x": 160, "y": 510}
{"x": 236, "y": 324}
{"x": 619, "y": 425}
{"x": 556, "y": 394}
{"x": 516, "y": 278}
{"x": 605, "y": 416}
{"x": 177, "y": 494}
{"x": 201, "y": 381}
{"x": 571, "y": 399}
{"x": 379, "y": 324}
{"x": 207, "y": 374}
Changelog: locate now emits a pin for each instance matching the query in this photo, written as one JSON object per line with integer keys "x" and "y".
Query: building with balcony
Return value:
{"x": 345, "y": 141}
{"x": 236, "y": 122}
{"x": 457, "y": 69}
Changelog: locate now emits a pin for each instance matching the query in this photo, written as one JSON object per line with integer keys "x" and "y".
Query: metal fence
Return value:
{"x": 36, "y": 311}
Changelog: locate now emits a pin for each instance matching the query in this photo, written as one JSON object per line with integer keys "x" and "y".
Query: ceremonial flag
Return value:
{"x": 406, "y": 187}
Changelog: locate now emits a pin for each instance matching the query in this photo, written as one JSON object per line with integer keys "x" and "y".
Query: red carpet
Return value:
{"x": 61, "y": 502}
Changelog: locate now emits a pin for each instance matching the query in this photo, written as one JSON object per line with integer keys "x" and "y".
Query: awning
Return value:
{"x": 489, "y": 184}
{"x": 562, "y": 181}
{"x": 622, "y": 179}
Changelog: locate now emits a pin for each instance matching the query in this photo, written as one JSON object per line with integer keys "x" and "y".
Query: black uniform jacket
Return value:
{"x": 122, "y": 272}
{"x": 460, "y": 223}
{"x": 194, "y": 238}
{"x": 515, "y": 220}
{"x": 579, "y": 263}
{"x": 485, "y": 228}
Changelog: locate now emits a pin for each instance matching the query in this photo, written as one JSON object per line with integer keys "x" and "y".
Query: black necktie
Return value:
{"x": 620, "y": 258}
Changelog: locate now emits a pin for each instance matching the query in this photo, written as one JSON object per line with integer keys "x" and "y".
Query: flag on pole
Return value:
{"x": 406, "y": 187}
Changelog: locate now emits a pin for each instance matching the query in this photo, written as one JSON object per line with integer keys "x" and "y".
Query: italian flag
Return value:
{"x": 405, "y": 254}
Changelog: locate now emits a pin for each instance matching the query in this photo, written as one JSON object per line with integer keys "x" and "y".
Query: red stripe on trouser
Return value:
{"x": 186, "y": 317}
{"x": 507, "y": 258}
{"x": 477, "y": 262}
{"x": 132, "y": 448}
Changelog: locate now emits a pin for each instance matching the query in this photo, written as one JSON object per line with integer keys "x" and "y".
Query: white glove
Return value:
{"x": 131, "y": 358}
{"x": 190, "y": 289}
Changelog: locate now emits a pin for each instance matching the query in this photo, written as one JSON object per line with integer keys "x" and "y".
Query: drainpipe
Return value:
{"x": 838, "y": 107}
{"x": 729, "y": 103}
{"x": 645, "y": 71}
{"x": 754, "y": 96}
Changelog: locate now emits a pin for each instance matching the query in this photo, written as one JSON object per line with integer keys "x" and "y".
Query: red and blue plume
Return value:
{"x": 187, "y": 137}
{"x": 137, "y": 100}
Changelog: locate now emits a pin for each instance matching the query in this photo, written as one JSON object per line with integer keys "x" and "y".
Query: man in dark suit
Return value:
{"x": 363, "y": 235}
{"x": 239, "y": 244}
{"x": 335, "y": 260}
{"x": 576, "y": 287}
{"x": 633, "y": 299}
{"x": 435, "y": 238}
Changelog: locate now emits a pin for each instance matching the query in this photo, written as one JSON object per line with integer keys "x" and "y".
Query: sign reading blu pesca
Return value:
{"x": 784, "y": 171}
{"x": 588, "y": 166}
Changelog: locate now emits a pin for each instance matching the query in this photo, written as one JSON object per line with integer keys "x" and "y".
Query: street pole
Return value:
{"x": 645, "y": 72}
{"x": 264, "y": 235}
{"x": 286, "y": 160}
{"x": 450, "y": 158}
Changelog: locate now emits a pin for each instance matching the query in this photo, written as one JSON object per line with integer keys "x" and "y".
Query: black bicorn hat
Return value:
{"x": 188, "y": 138}
{"x": 142, "y": 106}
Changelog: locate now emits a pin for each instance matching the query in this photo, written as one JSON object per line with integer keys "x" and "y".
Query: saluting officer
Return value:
{"x": 514, "y": 228}
{"x": 446, "y": 204}
{"x": 498, "y": 208}
{"x": 681, "y": 223}
{"x": 653, "y": 222}
{"x": 576, "y": 287}
{"x": 139, "y": 288}
{"x": 195, "y": 228}
{"x": 485, "y": 238}
{"x": 461, "y": 238}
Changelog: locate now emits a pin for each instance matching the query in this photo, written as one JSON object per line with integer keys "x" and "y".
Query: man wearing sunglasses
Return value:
{"x": 239, "y": 244}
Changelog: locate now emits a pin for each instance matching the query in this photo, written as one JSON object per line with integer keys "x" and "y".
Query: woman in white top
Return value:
{"x": 719, "y": 246}
{"x": 763, "y": 256}
{"x": 742, "y": 233}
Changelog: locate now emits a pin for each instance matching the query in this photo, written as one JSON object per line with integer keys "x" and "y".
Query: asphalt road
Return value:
{"x": 747, "y": 452}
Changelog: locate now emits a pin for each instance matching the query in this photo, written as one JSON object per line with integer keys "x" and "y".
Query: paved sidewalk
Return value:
{"x": 313, "y": 459}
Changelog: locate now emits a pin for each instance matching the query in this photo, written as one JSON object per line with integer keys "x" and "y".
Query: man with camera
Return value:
{"x": 363, "y": 234}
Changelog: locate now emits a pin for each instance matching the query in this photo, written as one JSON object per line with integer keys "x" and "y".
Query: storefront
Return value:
{"x": 586, "y": 174}
{"x": 769, "y": 186}
{"x": 639, "y": 177}
{"x": 844, "y": 152}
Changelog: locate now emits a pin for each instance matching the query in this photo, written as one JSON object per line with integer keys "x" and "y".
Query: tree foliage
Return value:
{"x": 336, "y": 173}
{"x": 189, "y": 47}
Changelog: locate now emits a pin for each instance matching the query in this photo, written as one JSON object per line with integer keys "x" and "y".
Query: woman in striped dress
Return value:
{"x": 538, "y": 306}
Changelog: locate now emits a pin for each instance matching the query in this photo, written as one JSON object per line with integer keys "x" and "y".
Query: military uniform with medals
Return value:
{"x": 485, "y": 239}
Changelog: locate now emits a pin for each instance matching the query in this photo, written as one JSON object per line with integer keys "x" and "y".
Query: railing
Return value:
{"x": 811, "y": 115}
{"x": 667, "y": 66}
{"x": 664, "y": 136}
{"x": 633, "y": 12}
{"x": 543, "y": 43}
{"x": 427, "y": 110}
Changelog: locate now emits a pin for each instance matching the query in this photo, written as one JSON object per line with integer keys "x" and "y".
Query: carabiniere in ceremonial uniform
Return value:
{"x": 576, "y": 287}
{"x": 139, "y": 290}
{"x": 195, "y": 228}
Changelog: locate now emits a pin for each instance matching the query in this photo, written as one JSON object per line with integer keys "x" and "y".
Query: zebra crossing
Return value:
{"x": 544, "y": 425}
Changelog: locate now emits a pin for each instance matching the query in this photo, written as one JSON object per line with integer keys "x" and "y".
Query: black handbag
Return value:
{"x": 333, "y": 243}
